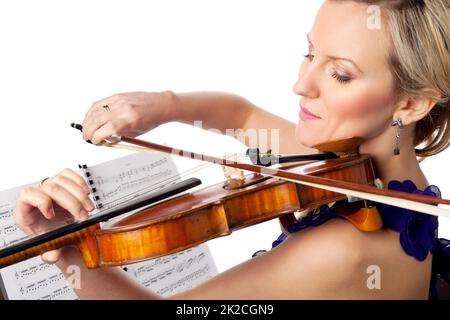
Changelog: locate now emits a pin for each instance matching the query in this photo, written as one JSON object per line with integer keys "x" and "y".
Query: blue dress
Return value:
{"x": 418, "y": 232}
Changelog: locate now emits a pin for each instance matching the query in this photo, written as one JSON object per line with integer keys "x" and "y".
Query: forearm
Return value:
{"x": 235, "y": 116}
{"x": 102, "y": 283}
{"x": 216, "y": 110}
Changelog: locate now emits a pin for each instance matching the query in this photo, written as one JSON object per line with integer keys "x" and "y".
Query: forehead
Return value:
{"x": 341, "y": 29}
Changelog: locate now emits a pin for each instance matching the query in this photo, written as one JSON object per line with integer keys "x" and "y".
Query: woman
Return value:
{"x": 375, "y": 69}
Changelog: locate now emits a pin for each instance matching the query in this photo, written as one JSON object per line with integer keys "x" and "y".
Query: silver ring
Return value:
{"x": 41, "y": 183}
{"x": 106, "y": 108}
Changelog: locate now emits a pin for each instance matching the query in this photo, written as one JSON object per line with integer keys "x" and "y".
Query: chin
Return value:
{"x": 308, "y": 138}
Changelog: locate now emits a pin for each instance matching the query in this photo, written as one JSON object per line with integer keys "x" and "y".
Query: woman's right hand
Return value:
{"x": 130, "y": 114}
{"x": 52, "y": 204}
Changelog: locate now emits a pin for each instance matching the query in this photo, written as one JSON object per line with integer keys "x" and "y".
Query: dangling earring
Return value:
{"x": 399, "y": 125}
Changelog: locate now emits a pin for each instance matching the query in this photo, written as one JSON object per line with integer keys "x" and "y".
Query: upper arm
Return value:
{"x": 315, "y": 263}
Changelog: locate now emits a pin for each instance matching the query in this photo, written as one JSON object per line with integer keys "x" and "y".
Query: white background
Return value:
{"x": 58, "y": 57}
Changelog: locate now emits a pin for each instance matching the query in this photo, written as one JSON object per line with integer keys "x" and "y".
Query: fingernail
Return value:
{"x": 88, "y": 205}
{"x": 83, "y": 215}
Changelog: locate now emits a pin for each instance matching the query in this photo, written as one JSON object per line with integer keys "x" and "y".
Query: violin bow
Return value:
{"x": 415, "y": 202}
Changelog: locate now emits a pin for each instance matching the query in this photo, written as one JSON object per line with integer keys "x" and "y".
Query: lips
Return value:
{"x": 305, "y": 114}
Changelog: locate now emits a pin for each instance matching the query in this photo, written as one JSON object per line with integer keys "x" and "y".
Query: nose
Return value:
{"x": 306, "y": 84}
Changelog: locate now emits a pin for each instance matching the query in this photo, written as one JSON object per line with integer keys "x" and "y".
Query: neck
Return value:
{"x": 395, "y": 167}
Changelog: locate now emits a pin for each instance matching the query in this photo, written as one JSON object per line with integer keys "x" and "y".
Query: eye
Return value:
{"x": 341, "y": 78}
{"x": 309, "y": 56}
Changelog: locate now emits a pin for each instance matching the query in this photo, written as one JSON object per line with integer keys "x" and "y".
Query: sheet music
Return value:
{"x": 34, "y": 279}
{"x": 31, "y": 279}
{"x": 177, "y": 272}
{"x": 9, "y": 232}
{"x": 130, "y": 177}
{"x": 115, "y": 182}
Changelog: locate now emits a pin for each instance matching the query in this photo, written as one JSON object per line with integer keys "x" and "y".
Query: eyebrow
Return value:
{"x": 333, "y": 57}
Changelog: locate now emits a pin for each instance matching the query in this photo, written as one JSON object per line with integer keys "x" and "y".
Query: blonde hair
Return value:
{"x": 420, "y": 60}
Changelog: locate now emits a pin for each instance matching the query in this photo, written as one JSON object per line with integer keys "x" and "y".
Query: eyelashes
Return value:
{"x": 340, "y": 78}
{"x": 309, "y": 56}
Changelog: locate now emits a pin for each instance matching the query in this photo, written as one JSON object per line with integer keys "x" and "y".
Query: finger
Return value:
{"x": 29, "y": 199}
{"x": 76, "y": 190}
{"x": 98, "y": 107}
{"x": 98, "y": 104}
{"x": 51, "y": 256}
{"x": 95, "y": 122}
{"x": 75, "y": 177}
{"x": 107, "y": 130}
{"x": 65, "y": 199}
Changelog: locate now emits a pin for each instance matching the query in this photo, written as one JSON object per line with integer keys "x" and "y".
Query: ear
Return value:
{"x": 413, "y": 109}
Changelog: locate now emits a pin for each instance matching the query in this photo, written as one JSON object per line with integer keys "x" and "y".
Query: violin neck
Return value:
{"x": 76, "y": 233}
{"x": 39, "y": 249}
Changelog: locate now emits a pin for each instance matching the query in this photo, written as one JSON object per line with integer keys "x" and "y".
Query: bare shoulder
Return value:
{"x": 331, "y": 261}
{"x": 324, "y": 262}
{"x": 329, "y": 256}
{"x": 337, "y": 237}
{"x": 359, "y": 265}
{"x": 313, "y": 264}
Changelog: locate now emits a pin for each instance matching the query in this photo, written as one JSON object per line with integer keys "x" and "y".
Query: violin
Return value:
{"x": 189, "y": 219}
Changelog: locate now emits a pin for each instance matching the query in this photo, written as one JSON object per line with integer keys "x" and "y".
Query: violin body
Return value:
{"x": 215, "y": 211}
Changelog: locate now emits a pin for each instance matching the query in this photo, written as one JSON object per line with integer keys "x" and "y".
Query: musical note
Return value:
{"x": 185, "y": 270}
{"x": 5, "y": 215}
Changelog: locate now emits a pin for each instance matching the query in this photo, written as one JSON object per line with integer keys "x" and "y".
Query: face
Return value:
{"x": 345, "y": 83}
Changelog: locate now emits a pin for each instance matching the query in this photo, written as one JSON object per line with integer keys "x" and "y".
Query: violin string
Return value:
{"x": 154, "y": 186}
{"x": 148, "y": 188}
{"x": 142, "y": 149}
{"x": 173, "y": 179}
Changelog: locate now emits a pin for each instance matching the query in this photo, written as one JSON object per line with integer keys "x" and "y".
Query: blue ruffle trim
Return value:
{"x": 417, "y": 230}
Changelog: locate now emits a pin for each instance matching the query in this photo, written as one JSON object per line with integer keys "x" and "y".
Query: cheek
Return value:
{"x": 362, "y": 115}
{"x": 352, "y": 112}
{"x": 359, "y": 107}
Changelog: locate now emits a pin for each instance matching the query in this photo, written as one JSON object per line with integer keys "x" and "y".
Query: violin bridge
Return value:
{"x": 233, "y": 176}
